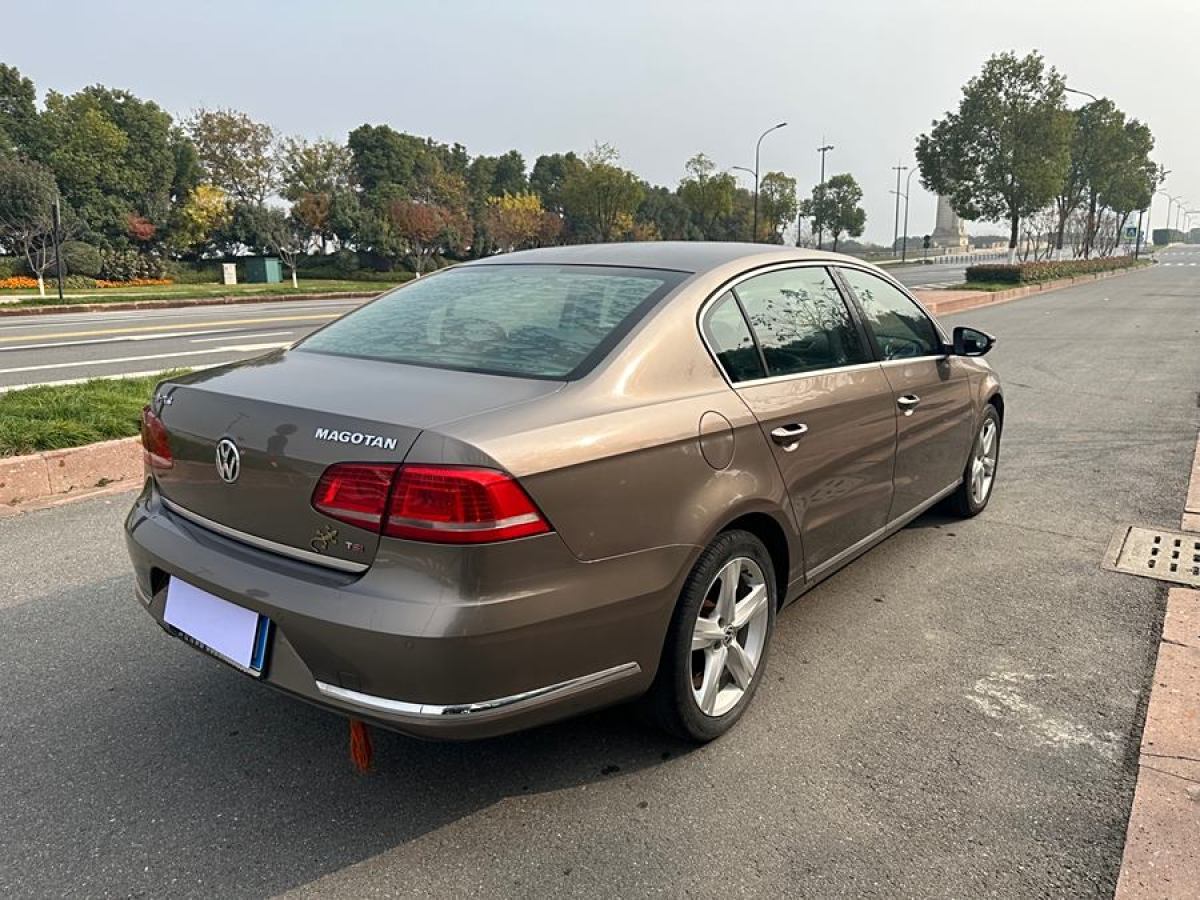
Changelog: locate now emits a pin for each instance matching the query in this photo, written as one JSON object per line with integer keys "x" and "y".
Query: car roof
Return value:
{"x": 680, "y": 256}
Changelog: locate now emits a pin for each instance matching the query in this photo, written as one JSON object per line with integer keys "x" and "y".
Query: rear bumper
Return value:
{"x": 440, "y": 642}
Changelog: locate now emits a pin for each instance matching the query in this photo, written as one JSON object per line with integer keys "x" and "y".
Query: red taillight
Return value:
{"x": 156, "y": 442}
{"x": 453, "y": 505}
{"x": 355, "y": 493}
{"x": 440, "y": 504}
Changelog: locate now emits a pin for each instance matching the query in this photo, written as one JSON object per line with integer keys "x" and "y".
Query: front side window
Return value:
{"x": 731, "y": 339}
{"x": 899, "y": 326}
{"x": 801, "y": 321}
{"x": 535, "y": 321}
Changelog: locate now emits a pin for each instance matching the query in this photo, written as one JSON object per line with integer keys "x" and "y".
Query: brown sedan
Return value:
{"x": 549, "y": 481}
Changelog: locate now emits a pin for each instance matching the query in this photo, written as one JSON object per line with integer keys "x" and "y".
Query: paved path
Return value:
{"x": 956, "y": 715}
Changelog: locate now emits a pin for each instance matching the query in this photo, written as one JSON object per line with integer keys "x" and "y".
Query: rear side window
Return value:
{"x": 533, "y": 321}
{"x": 801, "y": 321}
{"x": 899, "y": 326}
{"x": 731, "y": 340}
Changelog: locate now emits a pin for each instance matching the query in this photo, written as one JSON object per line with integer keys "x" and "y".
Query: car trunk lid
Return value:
{"x": 291, "y": 415}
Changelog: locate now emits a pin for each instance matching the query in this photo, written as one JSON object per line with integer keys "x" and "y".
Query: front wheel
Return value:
{"x": 980, "y": 475}
{"x": 716, "y": 647}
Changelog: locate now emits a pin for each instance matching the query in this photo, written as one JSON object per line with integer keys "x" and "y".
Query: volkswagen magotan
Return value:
{"x": 553, "y": 480}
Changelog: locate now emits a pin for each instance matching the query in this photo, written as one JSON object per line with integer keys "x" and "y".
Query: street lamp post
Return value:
{"x": 896, "y": 226}
{"x": 1170, "y": 200}
{"x": 1084, "y": 93}
{"x": 757, "y": 146}
{"x": 821, "y": 225}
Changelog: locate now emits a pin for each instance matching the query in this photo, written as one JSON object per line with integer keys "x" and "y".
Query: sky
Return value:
{"x": 660, "y": 80}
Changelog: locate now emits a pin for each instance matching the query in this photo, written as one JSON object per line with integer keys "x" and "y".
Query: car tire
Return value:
{"x": 700, "y": 692}
{"x": 979, "y": 476}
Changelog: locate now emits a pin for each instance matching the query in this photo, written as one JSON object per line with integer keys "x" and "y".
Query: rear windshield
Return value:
{"x": 535, "y": 321}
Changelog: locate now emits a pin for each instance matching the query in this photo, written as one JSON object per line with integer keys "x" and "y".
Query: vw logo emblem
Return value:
{"x": 229, "y": 461}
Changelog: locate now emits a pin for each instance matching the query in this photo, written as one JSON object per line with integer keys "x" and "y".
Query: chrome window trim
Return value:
{"x": 733, "y": 282}
{"x": 534, "y": 697}
{"x": 329, "y": 562}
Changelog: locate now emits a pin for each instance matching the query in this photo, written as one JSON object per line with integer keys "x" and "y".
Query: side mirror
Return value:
{"x": 972, "y": 341}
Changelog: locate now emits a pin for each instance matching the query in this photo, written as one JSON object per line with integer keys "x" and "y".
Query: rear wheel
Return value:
{"x": 980, "y": 475}
{"x": 716, "y": 646}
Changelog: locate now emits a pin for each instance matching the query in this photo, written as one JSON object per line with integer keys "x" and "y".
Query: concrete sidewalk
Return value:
{"x": 1162, "y": 842}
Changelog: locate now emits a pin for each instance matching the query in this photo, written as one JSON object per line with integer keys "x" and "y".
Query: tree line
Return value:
{"x": 1014, "y": 153}
{"x": 137, "y": 187}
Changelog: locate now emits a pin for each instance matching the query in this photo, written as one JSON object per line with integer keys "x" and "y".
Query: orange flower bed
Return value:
{"x": 134, "y": 282}
{"x": 17, "y": 282}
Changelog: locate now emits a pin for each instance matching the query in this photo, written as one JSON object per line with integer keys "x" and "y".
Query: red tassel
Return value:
{"x": 360, "y": 746}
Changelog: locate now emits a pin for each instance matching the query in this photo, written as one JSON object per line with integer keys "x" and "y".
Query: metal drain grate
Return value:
{"x": 1165, "y": 555}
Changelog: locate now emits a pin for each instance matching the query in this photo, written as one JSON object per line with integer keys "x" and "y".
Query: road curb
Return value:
{"x": 1162, "y": 841}
{"x": 938, "y": 303}
{"x": 231, "y": 300}
{"x": 55, "y": 473}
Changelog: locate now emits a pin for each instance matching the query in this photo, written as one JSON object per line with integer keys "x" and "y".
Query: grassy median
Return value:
{"x": 194, "y": 292}
{"x": 69, "y": 415}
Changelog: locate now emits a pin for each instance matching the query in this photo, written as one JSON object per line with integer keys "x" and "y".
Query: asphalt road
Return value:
{"x": 955, "y": 715}
{"x": 77, "y": 346}
{"x": 74, "y": 347}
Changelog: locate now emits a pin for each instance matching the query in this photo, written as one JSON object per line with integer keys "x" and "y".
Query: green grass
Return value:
{"x": 191, "y": 292}
{"x": 70, "y": 415}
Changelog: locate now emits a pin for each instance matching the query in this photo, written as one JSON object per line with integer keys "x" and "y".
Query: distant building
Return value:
{"x": 949, "y": 231}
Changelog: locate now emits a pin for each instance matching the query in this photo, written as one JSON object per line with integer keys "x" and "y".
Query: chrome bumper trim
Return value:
{"x": 535, "y": 697}
{"x": 317, "y": 559}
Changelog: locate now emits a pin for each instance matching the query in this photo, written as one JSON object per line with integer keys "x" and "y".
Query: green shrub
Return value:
{"x": 1032, "y": 272}
{"x": 11, "y": 266}
{"x": 79, "y": 282}
{"x": 126, "y": 265}
{"x": 80, "y": 258}
{"x": 204, "y": 271}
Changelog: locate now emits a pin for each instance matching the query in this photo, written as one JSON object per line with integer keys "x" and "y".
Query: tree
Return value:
{"x": 18, "y": 111}
{"x": 1004, "y": 154}
{"x": 387, "y": 164}
{"x": 312, "y": 167}
{"x": 1130, "y": 186}
{"x": 423, "y": 228}
{"x": 777, "y": 205}
{"x": 600, "y": 197}
{"x": 203, "y": 212}
{"x": 287, "y": 237}
{"x": 548, "y": 176}
{"x": 664, "y": 211}
{"x": 237, "y": 153}
{"x": 707, "y": 193}
{"x": 835, "y": 204}
{"x": 27, "y": 196}
{"x": 516, "y": 221}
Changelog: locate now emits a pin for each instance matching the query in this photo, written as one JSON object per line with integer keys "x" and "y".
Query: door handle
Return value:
{"x": 788, "y": 436}
{"x": 908, "y": 403}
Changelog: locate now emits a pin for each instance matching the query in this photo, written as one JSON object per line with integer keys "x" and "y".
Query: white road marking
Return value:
{"x": 117, "y": 340}
{"x": 263, "y": 334}
{"x": 232, "y": 348}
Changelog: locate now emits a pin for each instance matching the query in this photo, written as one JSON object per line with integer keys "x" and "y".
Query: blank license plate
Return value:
{"x": 226, "y": 630}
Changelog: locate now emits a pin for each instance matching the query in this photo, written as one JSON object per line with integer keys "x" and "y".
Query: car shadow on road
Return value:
{"x": 218, "y": 782}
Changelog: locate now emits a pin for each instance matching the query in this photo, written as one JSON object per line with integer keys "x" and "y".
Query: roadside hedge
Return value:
{"x": 1032, "y": 272}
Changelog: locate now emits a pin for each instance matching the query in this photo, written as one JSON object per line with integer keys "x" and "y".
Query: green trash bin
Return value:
{"x": 263, "y": 270}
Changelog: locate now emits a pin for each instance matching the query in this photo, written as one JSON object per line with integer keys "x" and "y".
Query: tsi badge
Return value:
{"x": 229, "y": 461}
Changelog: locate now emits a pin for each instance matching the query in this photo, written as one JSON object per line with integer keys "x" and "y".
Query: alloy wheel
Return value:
{"x": 729, "y": 636}
{"x": 983, "y": 464}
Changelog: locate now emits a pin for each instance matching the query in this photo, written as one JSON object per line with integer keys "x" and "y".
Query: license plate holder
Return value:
{"x": 232, "y": 633}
